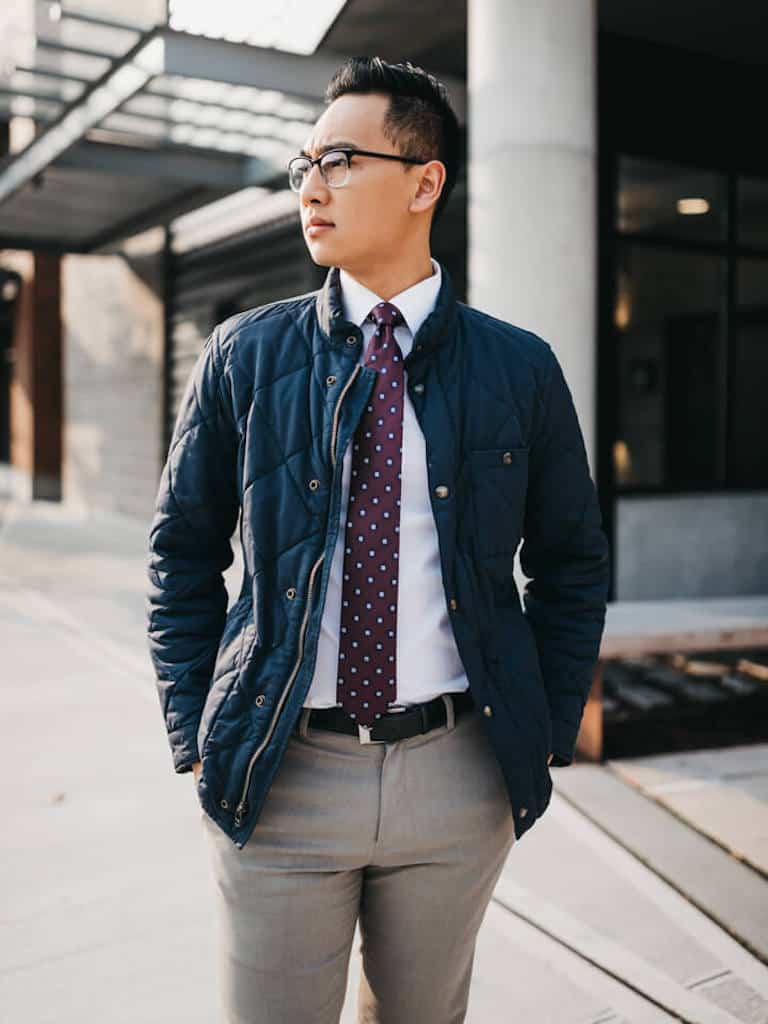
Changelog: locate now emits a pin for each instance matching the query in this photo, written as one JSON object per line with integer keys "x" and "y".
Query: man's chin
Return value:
{"x": 324, "y": 254}
{"x": 321, "y": 259}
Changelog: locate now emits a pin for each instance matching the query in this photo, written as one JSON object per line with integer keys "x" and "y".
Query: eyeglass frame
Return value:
{"x": 348, "y": 152}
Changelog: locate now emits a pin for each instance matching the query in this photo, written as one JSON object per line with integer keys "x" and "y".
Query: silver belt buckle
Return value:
{"x": 364, "y": 731}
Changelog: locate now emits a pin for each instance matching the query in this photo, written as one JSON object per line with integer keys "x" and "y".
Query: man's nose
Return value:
{"x": 313, "y": 186}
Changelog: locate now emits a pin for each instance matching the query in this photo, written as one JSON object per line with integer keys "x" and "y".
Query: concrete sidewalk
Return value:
{"x": 639, "y": 896}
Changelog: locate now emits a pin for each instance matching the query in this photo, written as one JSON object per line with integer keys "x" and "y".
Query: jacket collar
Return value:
{"x": 432, "y": 333}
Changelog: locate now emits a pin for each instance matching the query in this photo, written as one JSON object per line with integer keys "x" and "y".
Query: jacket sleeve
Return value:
{"x": 195, "y": 515}
{"x": 565, "y": 555}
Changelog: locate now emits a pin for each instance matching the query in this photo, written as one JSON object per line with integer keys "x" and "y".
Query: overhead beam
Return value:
{"x": 161, "y": 213}
{"x": 65, "y": 76}
{"x": 33, "y": 94}
{"x": 201, "y": 167}
{"x": 127, "y": 77}
{"x": 220, "y": 60}
{"x": 91, "y": 19}
{"x": 263, "y": 68}
{"x": 80, "y": 51}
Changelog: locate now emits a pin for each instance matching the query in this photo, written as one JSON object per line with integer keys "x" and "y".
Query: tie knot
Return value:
{"x": 385, "y": 314}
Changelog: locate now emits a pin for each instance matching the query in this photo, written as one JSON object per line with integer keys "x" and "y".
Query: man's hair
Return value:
{"x": 420, "y": 121}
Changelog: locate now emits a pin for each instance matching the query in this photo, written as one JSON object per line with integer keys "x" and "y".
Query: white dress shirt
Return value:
{"x": 427, "y": 660}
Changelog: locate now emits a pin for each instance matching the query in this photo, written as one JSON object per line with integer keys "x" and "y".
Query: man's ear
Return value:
{"x": 431, "y": 182}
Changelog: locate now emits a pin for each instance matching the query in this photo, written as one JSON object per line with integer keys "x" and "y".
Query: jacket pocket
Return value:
{"x": 499, "y": 482}
{"x": 514, "y": 656}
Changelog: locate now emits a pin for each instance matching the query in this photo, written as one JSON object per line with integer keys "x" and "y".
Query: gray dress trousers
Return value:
{"x": 410, "y": 837}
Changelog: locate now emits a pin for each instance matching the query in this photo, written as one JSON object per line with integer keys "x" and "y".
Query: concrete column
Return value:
{"x": 532, "y": 219}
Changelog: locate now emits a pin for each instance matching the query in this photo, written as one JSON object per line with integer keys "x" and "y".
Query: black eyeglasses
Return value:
{"x": 334, "y": 166}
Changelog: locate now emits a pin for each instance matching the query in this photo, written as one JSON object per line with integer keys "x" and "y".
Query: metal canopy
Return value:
{"x": 172, "y": 123}
{"x": 168, "y": 123}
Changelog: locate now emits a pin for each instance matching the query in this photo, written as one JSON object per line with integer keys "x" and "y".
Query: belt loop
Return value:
{"x": 450, "y": 711}
{"x": 424, "y": 719}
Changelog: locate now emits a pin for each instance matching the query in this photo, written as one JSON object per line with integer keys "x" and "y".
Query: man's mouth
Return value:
{"x": 316, "y": 227}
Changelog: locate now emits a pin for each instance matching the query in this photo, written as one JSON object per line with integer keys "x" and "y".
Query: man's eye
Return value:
{"x": 334, "y": 161}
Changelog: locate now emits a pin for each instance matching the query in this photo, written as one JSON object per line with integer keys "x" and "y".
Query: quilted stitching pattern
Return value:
{"x": 253, "y": 429}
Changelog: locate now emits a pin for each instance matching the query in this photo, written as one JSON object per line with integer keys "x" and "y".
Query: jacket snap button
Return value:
{"x": 441, "y": 491}
{"x": 523, "y": 811}
{"x": 351, "y": 340}
{"x": 488, "y": 710}
{"x": 330, "y": 379}
{"x": 260, "y": 700}
{"x": 290, "y": 593}
{"x": 224, "y": 804}
{"x": 453, "y": 604}
{"x": 418, "y": 388}
{"x": 506, "y": 457}
{"x": 314, "y": 484}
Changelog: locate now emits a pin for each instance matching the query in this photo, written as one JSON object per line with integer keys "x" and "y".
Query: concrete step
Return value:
{"x": 688, "y": 860}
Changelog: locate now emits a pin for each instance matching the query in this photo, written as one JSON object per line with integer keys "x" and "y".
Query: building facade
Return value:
{"x": 613, "y": 201}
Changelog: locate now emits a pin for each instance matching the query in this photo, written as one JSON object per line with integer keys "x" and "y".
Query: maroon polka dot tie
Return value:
{"x": 366, "y": 682}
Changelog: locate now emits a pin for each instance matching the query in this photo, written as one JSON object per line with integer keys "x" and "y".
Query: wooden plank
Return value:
{"x": 720, "y": 623}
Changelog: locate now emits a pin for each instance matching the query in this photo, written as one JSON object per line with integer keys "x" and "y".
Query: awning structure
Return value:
{"x": 172, "y": 122}
{"x": 162, "y": 124}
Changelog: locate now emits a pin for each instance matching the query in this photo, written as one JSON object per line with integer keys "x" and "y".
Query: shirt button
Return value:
{"x": 441, "y": 491}
{"x": 487, "y": 710}
{"x": 506, "y": 457}
{"x": 523, "y": 811}
{"x": 418, "y": 388}
{"x": 453, "y": 604}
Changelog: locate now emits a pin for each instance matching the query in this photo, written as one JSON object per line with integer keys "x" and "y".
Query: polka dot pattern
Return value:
{"x": 366, "y": 683}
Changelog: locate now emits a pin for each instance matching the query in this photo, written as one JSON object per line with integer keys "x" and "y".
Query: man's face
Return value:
{"x": 369, "y": 215}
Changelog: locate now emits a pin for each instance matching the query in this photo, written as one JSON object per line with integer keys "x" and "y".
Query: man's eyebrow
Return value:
{"x": 339, "y": 144}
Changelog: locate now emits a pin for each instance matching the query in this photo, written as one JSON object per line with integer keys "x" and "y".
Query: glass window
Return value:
{"x": 658, "y": 198}
{"x": 748, "y": 421}
{"x": 752, "y": 211}
{"x": 668, "y": 322}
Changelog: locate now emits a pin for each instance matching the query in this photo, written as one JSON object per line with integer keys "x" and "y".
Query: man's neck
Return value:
{"x": 389, "y": 280}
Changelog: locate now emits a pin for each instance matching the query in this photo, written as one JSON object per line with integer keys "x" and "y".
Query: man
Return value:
{"x": 371, "y": 722}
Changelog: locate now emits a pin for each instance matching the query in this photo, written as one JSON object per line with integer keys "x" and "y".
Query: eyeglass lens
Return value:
{"x": 334, "y": 167}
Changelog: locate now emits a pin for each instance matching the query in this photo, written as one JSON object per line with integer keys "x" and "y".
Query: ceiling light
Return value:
{"x": 692, "y": 206}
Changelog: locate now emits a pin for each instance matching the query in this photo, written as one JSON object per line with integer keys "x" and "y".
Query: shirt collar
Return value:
{"x": 415, "y": 303}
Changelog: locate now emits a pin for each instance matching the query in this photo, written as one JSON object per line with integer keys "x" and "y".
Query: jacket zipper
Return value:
{"x": 242, "y": 806}
{"x": 336, "y": 411}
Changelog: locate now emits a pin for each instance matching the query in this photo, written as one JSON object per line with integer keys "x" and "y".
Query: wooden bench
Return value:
{"x": 634, "y": 628}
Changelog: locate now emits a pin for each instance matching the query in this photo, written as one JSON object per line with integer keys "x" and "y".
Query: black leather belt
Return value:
{"x": 395, "y": 725}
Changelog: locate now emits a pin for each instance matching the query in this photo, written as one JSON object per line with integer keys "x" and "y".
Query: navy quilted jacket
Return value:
{"x": 270, "y": 407}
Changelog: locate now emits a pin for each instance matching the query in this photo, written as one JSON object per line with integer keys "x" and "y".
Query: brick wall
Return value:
{"x": 112, "y": 311}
